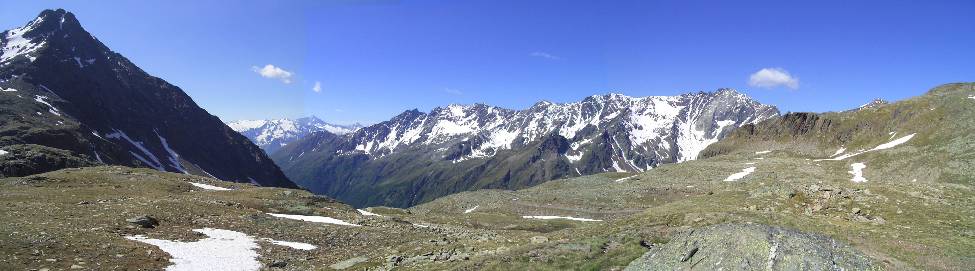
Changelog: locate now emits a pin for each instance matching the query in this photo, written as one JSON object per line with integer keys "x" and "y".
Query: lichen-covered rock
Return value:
{"x": 751, "y": 247}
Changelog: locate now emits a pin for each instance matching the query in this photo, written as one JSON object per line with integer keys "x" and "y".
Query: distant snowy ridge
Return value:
{"x": 274, "y": 134}
{"x": 650, "y": 129}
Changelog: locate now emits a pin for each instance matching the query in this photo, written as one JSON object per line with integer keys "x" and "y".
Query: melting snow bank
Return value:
{"x": 471, "y": 209}
{"x": 894, "y": 143}
{"x": 762, "y": 152}
{"x": 367, "y": 213}
{"x": 294, "y": 245}
{"x": 739, "y": 175}
{"x": 838, "y": 152}
{"x": 624, "y": 179}
{"x": 858, "y": 172}
{"x": 560, "y": 217}
{"x": 3, "y": 152}
{"x": 884, "y": 146}
{"x": 209, "y": 187}
{"x": 221, "y": 250}
{"x": 7, "y": 89}
{"x": 316, "y": 219}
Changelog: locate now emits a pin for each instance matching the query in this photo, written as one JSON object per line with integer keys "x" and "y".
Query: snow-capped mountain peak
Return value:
{"x": 276, "y": 133}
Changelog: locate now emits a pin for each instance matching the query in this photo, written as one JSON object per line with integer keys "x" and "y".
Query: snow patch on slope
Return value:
{"x": 367, "y": 213}
{"x": 838, "y": 152}
{"x": 294, "y": 245}
{"x": 316, "y": 219}
{"x": 43, "y": 100}
{"x": 739, "y": 175}
{"x": 857, "y": 171}
{"x": 884, "y": 146}
{"x": 209, "y": 187}
{"x": 221, "y": 250}
{"x": 173, "y": 156}
{"x": 154, "y": 163}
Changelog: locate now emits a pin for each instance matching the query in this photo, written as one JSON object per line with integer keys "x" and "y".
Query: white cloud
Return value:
{"x": 545, "y": 55}
{"x": 317, "y": 87}
{"x": 773, "y": 77}
{"x": 453, "y": 91}
{"x": 270, "y": 71}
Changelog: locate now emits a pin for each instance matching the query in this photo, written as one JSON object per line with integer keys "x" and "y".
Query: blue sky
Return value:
{"x": 375, "y": 59}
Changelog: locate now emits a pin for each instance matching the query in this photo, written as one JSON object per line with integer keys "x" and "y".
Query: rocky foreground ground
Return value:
{"x": 85, "y": 219}
{"x": 886, "y": 188}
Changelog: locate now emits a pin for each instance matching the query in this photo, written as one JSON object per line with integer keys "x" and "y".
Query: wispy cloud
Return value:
{"x": 270, "y": 71}
{"x": 773, "y": 77}
{"x": 317, "y": 87}
{"x": 545, "y": 55}
{"x": 453, "y": 91}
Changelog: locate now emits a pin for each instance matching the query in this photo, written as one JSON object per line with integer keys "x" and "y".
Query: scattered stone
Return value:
{"x": 689, "y": 254}
{"x": 646, "y": 244}
{"x": 278, "y": 264}
{"x": 393, "y": 261}
{"x": 440, "y": 242}
{"x": 144, "y": 221}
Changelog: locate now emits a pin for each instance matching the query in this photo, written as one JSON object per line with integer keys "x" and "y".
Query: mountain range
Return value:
{"x": 416, "y": 156}
{"x": 69, "y": 101}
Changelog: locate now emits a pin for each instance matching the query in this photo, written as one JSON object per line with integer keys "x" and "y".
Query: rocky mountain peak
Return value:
{"x": 59, "y": 20}
{"x": 102, "y": 109}
{"x": 873, "y": 104}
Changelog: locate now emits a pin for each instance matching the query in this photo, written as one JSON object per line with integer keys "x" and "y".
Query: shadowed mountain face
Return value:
{"x": 416, "y": 157}
{"x": 68, "y": 100}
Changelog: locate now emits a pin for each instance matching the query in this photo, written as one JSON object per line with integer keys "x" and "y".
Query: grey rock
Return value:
{"x": 393, "y": 261}
{"x": 278, "y": 264}
{"x": 144, "y": 221}
{"x": 751, "y": 247}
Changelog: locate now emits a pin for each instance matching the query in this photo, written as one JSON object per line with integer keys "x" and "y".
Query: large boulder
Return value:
{"x": 751, "y": 247}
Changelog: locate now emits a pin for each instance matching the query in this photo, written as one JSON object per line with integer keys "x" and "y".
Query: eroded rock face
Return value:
{"x": 751, "y": 247}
